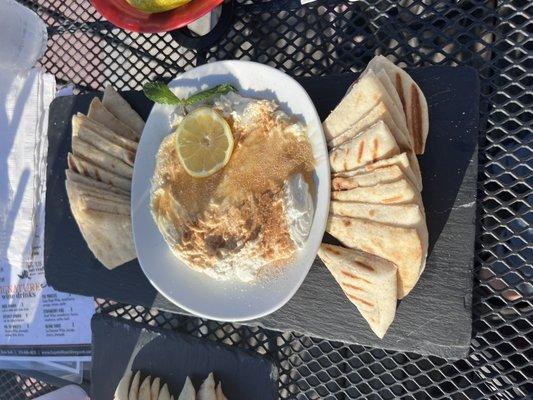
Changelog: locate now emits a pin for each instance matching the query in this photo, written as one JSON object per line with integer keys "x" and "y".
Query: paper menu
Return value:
{"x": 35, "y": 320}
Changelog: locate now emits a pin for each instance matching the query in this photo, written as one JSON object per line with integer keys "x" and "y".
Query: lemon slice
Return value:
{"x": 204, "y": 142}
{"x": 156, "y": 6}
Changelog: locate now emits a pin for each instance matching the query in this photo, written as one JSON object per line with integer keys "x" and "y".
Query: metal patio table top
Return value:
{"x": 329, "y": 37}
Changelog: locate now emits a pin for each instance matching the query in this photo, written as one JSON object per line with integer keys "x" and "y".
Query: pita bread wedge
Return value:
{"x": 82, "y": 121}
{"x": 134, "y": 389}
{"x": 413, "y": 100}
{"x": 398, "y": 192}
{"x": 121, "y": 109}
{"x": 401, "y": 246}
{"x": 220, "y": 393}
{"x": 388, "y": 174}
{"x": 188, "y": 392}
{"x": 164, "y": 394}
{"x": 144, "y": 389}
{"x": 100, "y": 231}
{"x": 376, "y": 143}
{"x": 92, "y": 183}
{"x": 154, "y": 387}
{"x": 92, "y": 203}
{"x": 102, "y": 143}
{"x": 207, "y": 389}
{"x": 406, "y": 215}
{"x": 369, "y": 282}
{"x": 96, "y": 192}
{"x": 364, "y": 95}
{"x": 84, "y": 167}
{"x": 391, "y": 90}
{"x": 378, "y": 113}
{"x": 99, "y": 113}
{"x": 121, "y": 393}
{"x": 401, "y": 160}
{"x": 402, "y": 215}
{"x": 100, "y": 158}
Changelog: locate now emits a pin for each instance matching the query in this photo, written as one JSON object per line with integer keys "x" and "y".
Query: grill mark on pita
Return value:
{"x": 416, "y": 119}
{"x": 360, "y": 151}
{"x": 399, "y": 89}
{"x": 354, "y": 277}
{"x": 365, "y": 266}
{"x": 332, "y": 250}
{"x": 392, "y": 199}
{"x": 346, "y": 222}
{"x": 375, "y": 145}
{"x": 72, "y": 164}
{"x": 355, "y": 298}
{"x": 349, "y": 285}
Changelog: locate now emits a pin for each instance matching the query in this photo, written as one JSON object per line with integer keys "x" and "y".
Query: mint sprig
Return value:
{"x": 159, "y": 92}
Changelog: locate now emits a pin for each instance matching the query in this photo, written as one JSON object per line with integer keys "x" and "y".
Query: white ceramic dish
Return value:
{"x": 196, "y": 292}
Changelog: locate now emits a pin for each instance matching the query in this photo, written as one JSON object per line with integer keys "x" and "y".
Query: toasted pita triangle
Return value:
{"x": 220, "y": 393}
{"x": 164, "y": 394}
{"x": 101, "y": 142}
{"x": 413, "y": 100}
{"x": 92, "y": 203}
{"x": 391, "y": 91}
{"x": 92, "y": 183}
{"x": 100, "y": 231}
{"x": 398, "y": 192}
{"x": 101, "y": 158}
{"x": 378, "y": 113}
{"x": 188, "y": 392}
{"x": 84, "y": 167}
{"x": 121, "y": 393}
{"x": 156, "y": 383}
{"x": 121, "y": 109}
{"x": 99, "y": 113}
{"x": 87, "y": 190}
{"x": 388, "y": 174}
{"x": 369, "y": 282}
{"x": 207, "y": 389}
{"x": 364, "y": 95}
{"x": 401, "y": 246}
{"x": 376, "y": 143}
{"x": 82, "y": 121}
{"x": 402, "y": 215}
{"x": 401, "y": 160}
{"x": 134, "y": 389}
{"x": 144, "y": 389}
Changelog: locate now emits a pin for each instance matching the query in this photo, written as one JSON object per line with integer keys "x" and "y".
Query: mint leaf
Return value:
{"x": 206, "y": 94}
{"x": 159, "y": 92}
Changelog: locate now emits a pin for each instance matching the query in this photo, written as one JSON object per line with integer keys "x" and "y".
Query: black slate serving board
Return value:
{"x": 436, "y": 316}
{"x": 120, "y": 345}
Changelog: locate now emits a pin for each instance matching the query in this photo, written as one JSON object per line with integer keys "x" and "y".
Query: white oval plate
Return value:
{"x": 191, "y": 290}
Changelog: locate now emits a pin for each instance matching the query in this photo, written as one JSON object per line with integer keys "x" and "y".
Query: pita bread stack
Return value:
{"x": 104, "y": 144}
{"x": 376, "y": 210}
{"x": 131, "y": 387}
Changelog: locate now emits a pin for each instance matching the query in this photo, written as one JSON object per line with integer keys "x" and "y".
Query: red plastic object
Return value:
{"x": 123, "y": 15}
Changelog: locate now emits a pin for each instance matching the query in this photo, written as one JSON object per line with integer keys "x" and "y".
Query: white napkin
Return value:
{"x": 24, "y": 102}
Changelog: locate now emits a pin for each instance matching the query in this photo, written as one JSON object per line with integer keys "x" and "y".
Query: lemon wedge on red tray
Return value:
{"x": 157, "y": 6}
{"x": 204, "y": 142}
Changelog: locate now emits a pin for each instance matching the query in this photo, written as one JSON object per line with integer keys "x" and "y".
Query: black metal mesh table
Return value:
{"x": 327, "y": 37}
